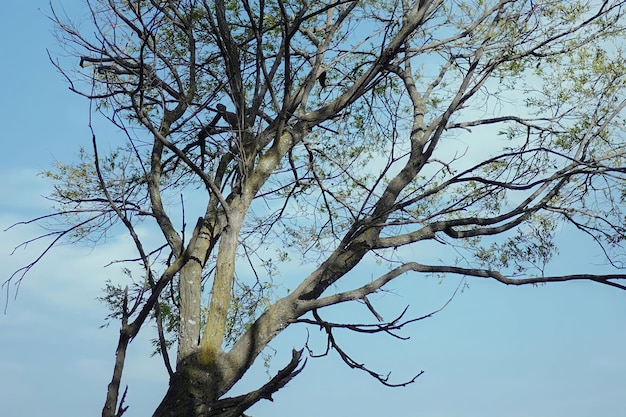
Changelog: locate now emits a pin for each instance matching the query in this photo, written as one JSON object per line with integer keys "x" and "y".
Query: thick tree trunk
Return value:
{"x": 189, "y": 393}
{"x": 221, "y": 291}
{"x": 190, "y": 299}
{"x": 191, "y": 388}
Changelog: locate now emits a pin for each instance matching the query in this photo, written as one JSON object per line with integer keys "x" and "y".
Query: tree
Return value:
{"x": 331, "y": 134}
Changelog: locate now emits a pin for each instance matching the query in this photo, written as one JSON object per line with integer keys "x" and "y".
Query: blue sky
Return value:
{"x": 553, "y": 351}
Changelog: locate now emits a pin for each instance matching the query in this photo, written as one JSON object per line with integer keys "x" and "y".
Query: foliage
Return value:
{"x": 333, "y": 134}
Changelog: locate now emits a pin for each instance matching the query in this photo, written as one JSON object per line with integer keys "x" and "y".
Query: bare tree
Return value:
{"x": 333, "y": 133}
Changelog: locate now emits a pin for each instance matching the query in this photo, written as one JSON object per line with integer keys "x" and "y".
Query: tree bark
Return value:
{"x": 188, "y": 397}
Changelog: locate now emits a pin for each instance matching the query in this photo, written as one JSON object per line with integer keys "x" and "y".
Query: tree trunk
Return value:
{"x": 191, "y": 388}
{"x": 190, "y": 392}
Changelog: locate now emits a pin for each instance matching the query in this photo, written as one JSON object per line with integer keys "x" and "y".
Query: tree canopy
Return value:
{"x": 258, "y": 134}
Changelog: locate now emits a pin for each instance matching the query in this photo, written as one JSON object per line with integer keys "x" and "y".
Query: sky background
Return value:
{"x": 553, "y": 351}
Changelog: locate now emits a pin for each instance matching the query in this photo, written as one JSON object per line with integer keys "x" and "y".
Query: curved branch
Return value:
{"x": 237, "y": 405}
{"x": 348, "y": 360}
